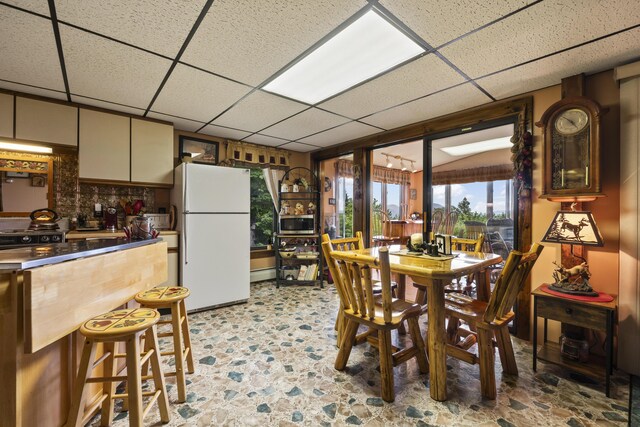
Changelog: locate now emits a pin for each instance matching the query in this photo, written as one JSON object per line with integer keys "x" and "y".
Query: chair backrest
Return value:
{"x": 510, "y": 282}
{"x": 449, "y": 223}
{"x": 345, "y": 243}
{"x": 353, "y": 278}
{"x": 380, "y": 225}
{"x": 473, "y": 228}
{"x": 436, "y": 220}
{"x": 468, "y": 245}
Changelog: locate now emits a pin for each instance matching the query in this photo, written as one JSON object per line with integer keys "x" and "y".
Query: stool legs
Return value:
{"x": 134, "y": 383}
{"x": 76, "y": 412}
{"x": 158, "y": 377}
{"x": 110, "y": 369}
{"x": 187, "y": 338}
{"x": 176, "y": 315}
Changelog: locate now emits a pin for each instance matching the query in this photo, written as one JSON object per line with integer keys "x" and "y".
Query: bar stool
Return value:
{"x": 119, "y": 326}
{"x": 172, "y": 297}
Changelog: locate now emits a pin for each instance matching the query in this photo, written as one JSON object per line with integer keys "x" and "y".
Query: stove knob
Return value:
{"x": 44, "y": 239}
{"x": 55, "y": 238}
{"x": 26, "y": 239}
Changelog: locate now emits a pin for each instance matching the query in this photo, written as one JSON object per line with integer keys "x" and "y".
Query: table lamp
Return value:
{"x": 573, "y": 228}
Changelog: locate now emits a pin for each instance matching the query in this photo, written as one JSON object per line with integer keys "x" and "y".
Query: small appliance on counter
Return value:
{"x": 156, "y": 220}
{"x": 111, "y": 219}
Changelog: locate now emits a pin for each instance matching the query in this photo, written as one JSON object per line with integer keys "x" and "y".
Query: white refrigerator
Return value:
{"x": 213, "y": 220}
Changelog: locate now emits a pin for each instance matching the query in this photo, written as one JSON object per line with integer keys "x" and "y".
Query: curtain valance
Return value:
{"x": 251, "y": 155}
{"x": 480, "y": 174}
{"x": 391, "y": 176}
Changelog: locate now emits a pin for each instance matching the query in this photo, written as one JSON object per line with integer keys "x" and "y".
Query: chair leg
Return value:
{"x": 386, "y": 366}
{"x": 158, "y": 376}
{"x": 505, "y": 348}
{"x": 110, "y": 369}
{"x": 348, "y": 338}
{"x": 486, "y": 354}
{"x": 340, "y": 325}
{"x": 178, "y": 353}
{"x": 133, "y": 381}
{"x": 79, "y": 398}
{"x": 453, "y": 323}
{"x": 421, "y": 354}
{"x": 187, "y": 338}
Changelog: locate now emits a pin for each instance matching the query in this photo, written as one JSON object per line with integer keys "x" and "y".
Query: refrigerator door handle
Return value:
{"x": 185, "y": 234}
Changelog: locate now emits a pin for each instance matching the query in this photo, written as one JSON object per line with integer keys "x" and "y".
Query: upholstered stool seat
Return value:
{"x": 126, "y": 326}
{"x": 172, "y": 297}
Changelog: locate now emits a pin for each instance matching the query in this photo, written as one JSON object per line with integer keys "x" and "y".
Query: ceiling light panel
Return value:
{"x": 159, "y": 26}
{"x": 478, "y": 147}
{"x": 37, "y": 6}
{"x": 417, "y": 78}
{"x": 107, "y": 105}
{"x": 367, "y": 47}
{"x": 342, "y": 133}
{"x": 265, "y": 140}
{"x": 178, "y": 123}
{"x": 103, "y": 69}
{"x": 28, "y": 50}
{"x": 304, "y": 124}
{"x": 296, "y": 146}
{"x": 251, "y": 40}
{"x": 559, "y": 25}
{"x": 197, "y": 95}
{"x": 449, "y": 101}
{"x": 259, "y": 110}
{"x": 601, "y": 55}
{"x": 440, "y": 21}
{"x": 224, "y": 132}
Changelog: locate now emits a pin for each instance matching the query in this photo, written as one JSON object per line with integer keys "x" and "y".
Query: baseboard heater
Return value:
{"x": 262, "y": 274}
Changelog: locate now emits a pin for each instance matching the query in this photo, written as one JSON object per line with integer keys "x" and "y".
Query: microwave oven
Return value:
{"x": 297, "y": 224}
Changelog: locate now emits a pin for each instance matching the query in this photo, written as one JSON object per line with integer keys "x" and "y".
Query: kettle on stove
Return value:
{"x": 44, "y": 219}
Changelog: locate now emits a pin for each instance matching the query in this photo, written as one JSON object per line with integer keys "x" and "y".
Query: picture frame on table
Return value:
{"x": 197, "y": 150}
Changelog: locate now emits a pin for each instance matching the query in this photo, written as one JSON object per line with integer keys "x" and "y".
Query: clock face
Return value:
{"x": 571, "y": 121}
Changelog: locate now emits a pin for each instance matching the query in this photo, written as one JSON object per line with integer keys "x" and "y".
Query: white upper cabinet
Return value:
{"x": 151, "y": 152}
{"x": 103, "y": 151}
{"x": 46, "y": 122}
{"x": 6, "y": 115}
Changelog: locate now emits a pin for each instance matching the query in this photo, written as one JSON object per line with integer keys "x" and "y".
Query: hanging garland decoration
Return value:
{"x": 522, "y": 159}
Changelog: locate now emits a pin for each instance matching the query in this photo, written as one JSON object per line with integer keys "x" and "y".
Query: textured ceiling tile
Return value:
{"x": 38, "y": 6}
{"x": 159, "y": 26}
{"x": 418, "y": 78}
{"x": 28, "y": 50}
{"x": 265, "y": 140}
{"x": 178, "y": 123}
{"x": 33, "y": 90}
{"x": 439, "y": 21}
{"x": 259, "y": 110}
{"x": 250, "y": 40}
{"x": 343, "y": 133}
{"x": 449, "y": 101}
{"x": 107, "y": 105}
{"x": 542, "y": 29}
{"x": 197, "y": 95}
{"x": 598, "y": 56}
{"x": 224, "y": 132}
{"x": 304, "y": 124}
{"x": 106, "y": 70}
{"x": 295, "y": 146}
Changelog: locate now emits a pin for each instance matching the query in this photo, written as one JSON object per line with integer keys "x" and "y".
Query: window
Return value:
{"x": 262, "y": 211}
{"x": 388, "y": 198}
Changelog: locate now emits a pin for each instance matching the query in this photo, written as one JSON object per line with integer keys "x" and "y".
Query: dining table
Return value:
{"x": 430, "y": 275}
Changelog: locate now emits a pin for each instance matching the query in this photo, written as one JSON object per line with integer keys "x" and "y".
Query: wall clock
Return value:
{"x": 571, "y": 135}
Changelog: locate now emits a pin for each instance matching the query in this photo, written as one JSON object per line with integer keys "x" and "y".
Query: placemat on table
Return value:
{"x": 407, "y": 252}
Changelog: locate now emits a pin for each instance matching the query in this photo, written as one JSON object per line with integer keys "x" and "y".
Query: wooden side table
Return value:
{"x": 593, "y": 315}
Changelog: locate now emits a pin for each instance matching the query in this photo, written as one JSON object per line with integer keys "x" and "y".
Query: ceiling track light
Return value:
{"x": 403, "y": 162}
{"x": 389, "y": 164}
{"x": 402, "y": 165}
{"x": 413, "y": 168}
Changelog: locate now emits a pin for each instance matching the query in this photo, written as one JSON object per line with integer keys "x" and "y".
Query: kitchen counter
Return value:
{"x": 100, "y": 234}
{"x": 38, "y": 256}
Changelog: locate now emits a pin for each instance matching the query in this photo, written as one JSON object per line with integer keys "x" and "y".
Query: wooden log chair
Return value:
{"x": 436, "y": 220}
{"x": 347, "y": 244}
{"x": 488, "y": 322}
{"x": 465, "y": 285}
{"x": 381, "y": 229}
{"x": 380, "y": 313}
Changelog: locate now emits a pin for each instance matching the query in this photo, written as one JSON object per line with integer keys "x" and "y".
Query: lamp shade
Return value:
{"x": 574, "y": 228}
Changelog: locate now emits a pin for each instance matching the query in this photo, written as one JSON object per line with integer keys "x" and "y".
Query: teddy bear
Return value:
{"x": 299, "y": 210}
{"x": 311, "y": 208}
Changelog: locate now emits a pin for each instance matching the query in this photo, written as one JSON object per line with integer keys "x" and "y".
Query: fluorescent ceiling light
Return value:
{"x": 12, "y": 146}
{"x": 367, "y": 47}
{"x": 478, "y": 147}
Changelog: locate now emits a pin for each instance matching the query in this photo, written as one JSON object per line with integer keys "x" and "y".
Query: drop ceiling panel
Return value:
{"x": 304, "y": 124}
{"x": 418, "y": 78}
{"x": 28, "y": 50}
{"x": 38, "y": 6}
{"x": 197, "y": 95}
{"x": 33, "y": 90}
{"x": 448, "y": 101}
{"x": 223, "y": 132}
{"x": 102, "y": 69}
{"x": 178, "y": 123}
{"x": 259, "y": 110}
{"x": 107, "y": 105}
{"x": 597, "y": 56}
{"x": 265, "y": 140}
{"x": 296, "y": 146}
{"x": 159, "y": 26}
{"x": 343, "y": 133}
{"x": 439, "y": 21}
{"x": 542, "y": 29}
{"x": 250, "y": 40}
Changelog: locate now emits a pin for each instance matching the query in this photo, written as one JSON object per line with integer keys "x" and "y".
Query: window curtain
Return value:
{"x": 481, "y": 174}
{"x": 344, "y": 168}
{"x": 391, "y": 176}
{"x": 272, "y": 178}
{"x": 251, "y": 155}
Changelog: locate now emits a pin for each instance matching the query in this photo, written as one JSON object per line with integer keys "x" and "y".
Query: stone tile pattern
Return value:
{"x": 270, "y": 363}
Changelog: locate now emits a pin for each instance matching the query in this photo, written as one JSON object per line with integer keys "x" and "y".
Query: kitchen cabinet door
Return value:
{"x": 151, "y": 152}
{"x": 173, "y": 258}
{"x": 46, "y": 122}
{"x": 104, "y": 146}
{"x": 6, "y": 115}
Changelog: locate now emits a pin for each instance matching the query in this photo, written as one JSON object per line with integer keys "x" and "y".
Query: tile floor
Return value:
{"x": 270, "y": 363}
